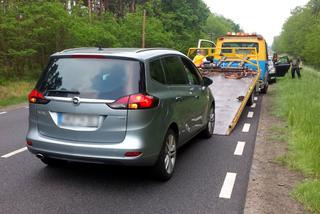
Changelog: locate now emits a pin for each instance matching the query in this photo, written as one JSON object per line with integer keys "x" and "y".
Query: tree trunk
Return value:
{"x": 89, "y": 9}
{"x": 132, "y": 6}
{"x": 106, "y": 5}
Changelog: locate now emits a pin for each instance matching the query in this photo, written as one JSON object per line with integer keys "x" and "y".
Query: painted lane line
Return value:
{"x": 239, "y": 148}
{"x": 246, "y": 127}
{"x": 227, "y": 186}
{"x": 14, "y": 152}
{"x": 27, "y": 107}
{"x": 4, "y": 112}
{"x": 250, "y": 114}
{"x": 253, "y": 105}
{"x": 255, "y": 98}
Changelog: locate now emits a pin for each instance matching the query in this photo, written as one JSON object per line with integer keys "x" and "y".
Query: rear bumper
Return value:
{"x": 93, "y": 152}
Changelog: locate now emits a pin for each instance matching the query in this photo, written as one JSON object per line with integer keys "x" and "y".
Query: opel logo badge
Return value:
{"x": 76, "y": 100}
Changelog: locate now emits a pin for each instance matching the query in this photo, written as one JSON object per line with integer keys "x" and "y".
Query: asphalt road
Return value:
{"x": 209, "y": 177}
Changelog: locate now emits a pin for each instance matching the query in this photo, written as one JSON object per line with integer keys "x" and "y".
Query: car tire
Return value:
{"x": 208, "y": 131}
{"x": 164, "y": 168}
{"x": 264, "y": 90}
{"x": 53, "y": 162}
{"x": 251, "y": 99}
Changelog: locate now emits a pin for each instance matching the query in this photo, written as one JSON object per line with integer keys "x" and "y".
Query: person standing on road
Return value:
{"x": 275, "y": 58}
{"x": 295, "y": 66}
{"x": 200, "y": 58}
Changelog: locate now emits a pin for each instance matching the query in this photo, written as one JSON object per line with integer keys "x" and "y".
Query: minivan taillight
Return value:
{"x": 135, "y": 101}
{"x": 37, "y": 97}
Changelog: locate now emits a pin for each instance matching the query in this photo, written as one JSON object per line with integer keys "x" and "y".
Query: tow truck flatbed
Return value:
{"x": 234, "y": 83}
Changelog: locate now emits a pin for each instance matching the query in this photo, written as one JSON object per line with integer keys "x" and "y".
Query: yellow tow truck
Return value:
{"x": 235, "y": 78}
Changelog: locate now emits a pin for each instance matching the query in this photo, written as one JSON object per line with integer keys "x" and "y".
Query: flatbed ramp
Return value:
{"x": 227, "y": 93}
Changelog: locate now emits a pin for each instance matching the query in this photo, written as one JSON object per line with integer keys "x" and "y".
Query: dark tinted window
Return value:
{"x": 174, "y": 71}
{"x": 239, "y": 45}
{"x": 156, "y": 71}
{"x": 192, "y": 74}
{"x": 93, "y": 78}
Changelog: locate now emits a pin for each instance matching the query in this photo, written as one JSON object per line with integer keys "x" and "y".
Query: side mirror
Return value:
{"x": 207, "y": 81}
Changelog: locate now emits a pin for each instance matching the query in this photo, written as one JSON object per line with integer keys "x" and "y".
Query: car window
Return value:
{"x": 192, "y": 74}
{"x": 239, "y": 45}
{"x": 156, "y": 71}
{"x": 284, "y": 60}
{"x": 174, "y": 71}
{"x": 92, "y": 78}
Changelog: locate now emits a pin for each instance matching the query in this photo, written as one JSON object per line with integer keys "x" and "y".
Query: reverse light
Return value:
{"x": 37, "y": 97}
{"x": 135, "y": 101}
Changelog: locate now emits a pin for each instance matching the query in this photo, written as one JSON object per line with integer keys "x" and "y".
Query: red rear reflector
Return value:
{"x": 135, "y": 101}
{"x": 29, "y": 143}
{"x": 89, "y": 56}
{"x": 132, "y": 154}
{"x": 37, "y": 97}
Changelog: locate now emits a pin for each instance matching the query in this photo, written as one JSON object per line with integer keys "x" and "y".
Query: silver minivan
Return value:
{"x": 118, "y": 106}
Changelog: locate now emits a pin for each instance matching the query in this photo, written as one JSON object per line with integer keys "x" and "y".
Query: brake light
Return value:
{"x": 88, "y": 56}
{"x": 37, "y": 97}
{"x": 135, "y": 101}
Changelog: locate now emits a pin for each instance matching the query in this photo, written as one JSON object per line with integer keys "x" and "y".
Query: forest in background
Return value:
{"x": 31, "y": 30}
{"x": 300, "y": 34}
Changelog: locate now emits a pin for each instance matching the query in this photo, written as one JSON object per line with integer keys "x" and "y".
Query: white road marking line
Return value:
{"x": 246, "y": 127}
{"x": 4, "y": 112}
{"x": 14, "y": 152}
{"x": 253, "y": 105}
{"x": 255, "y": 98}
{"x": 239, "y": 148}
{"x": 227, "y": 186}
{"x": 27, "y": 107}
{"x": 250, "y": 114}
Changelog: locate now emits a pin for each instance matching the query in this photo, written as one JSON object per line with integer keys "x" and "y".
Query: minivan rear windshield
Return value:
{"x": 239, "y": 45}
{"x": 93, "y": 78}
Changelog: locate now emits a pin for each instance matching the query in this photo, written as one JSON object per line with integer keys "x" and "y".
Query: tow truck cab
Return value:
{"x": 244, "y": 40}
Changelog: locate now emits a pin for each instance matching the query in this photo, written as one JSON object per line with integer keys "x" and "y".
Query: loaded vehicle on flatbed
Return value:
{"x": 245, "y": 40}
{"x": 238, "y": 67}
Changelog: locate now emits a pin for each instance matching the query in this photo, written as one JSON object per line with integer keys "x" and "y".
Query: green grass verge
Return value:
{"x": 297, "y": 101}
{"x": 308, "y": 193}
{"x": 15, "y": 92}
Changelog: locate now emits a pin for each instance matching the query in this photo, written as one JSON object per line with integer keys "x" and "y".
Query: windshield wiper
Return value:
{"x": 64, "y": 91}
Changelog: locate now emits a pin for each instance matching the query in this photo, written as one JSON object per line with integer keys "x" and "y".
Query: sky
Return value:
{"x": 264, "y": 17}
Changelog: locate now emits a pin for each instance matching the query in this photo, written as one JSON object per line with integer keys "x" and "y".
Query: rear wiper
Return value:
{"x": 64, "y": 91}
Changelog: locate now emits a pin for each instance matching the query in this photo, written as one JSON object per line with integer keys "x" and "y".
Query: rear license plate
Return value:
{"x": 75, "y": 120}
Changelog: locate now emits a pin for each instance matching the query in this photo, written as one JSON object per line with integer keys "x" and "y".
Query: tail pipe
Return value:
{"x": 40, "y": 156}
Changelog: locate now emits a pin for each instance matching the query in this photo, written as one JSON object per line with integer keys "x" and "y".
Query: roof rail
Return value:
{"x": 152, "y": 49}
{"x": 82, "y": 48}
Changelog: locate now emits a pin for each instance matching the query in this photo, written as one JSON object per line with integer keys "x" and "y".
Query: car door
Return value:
{"x": 179, "y": 92}
{"x": 199, "y": 101}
